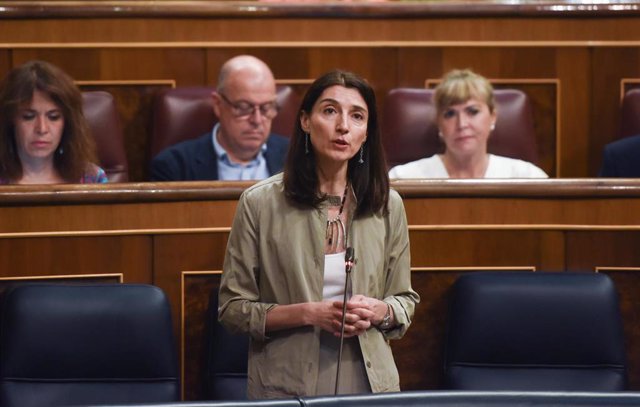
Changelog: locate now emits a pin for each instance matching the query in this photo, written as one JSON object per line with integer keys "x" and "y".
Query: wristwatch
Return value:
{"x": 386, "y": 320}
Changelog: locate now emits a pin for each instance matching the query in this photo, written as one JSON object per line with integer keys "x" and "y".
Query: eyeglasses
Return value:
{"x": 268, "y": 110}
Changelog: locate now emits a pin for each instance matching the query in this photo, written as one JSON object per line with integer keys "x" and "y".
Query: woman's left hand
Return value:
{"x": 362, "y": 312}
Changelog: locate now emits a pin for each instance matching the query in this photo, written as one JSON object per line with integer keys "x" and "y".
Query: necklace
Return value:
{"x": 336, "y": 232}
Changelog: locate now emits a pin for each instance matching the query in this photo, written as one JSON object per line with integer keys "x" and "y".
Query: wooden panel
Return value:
{"x": 545, "y": 100}
{"x": 80, "y": 64}
{"x": 515, "y": 212}
{"x": 5, "y": 62}
{"x": 575, "y": 131}
{"x": 130, "y": 217}
{"x": 64, "y": 256}
{"x": 503, "y": 62}
{"x": 419, "y": 28}
{"x": 418, "y": 354}
{"x": 616, "y": 254}
{"x": 590, "y": 249}
{"x": 487, "y": 248}
{"x": 415, "y": 64}
{"x": 185, "y": 66}
{"x": 197, "y": 289}
{"x": 173, "y": 256}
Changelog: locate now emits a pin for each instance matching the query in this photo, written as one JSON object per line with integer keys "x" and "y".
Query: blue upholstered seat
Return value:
{"x": 86, "y": 344}
{"x": 535, "y": 332}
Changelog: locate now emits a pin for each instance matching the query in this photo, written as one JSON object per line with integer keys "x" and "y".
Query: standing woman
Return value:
{"x": 284, "y": 269}
{"x": 44, "y": 137}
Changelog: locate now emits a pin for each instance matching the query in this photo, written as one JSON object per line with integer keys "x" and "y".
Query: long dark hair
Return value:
{"x": 16, "y": 89}
{"x": 369, "y": 180}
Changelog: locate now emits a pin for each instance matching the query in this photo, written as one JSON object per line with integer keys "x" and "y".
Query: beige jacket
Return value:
{"x": 275, "y": 255}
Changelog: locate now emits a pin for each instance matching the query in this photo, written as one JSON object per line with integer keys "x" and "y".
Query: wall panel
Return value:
{"x": 197, "y": 287}
{"x": 485, "y": 248}
{"x": 590, "y": 249}
{"x": 65, "y": 256}
{"x": 5, "y": 62}
{"x": 185, "y": 66}
{"x": 575, "y": 94}
{"x": 616, "y": 254}
{"x": 422, "y": 26}
{"x": 175, "y": 255}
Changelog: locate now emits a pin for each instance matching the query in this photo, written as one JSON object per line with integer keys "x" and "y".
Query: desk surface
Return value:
{"x": 317, "y": 9}
{"x": 225, "y": 190}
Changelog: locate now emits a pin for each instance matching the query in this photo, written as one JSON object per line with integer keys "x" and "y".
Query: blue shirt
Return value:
{"x": 231, "y": 171}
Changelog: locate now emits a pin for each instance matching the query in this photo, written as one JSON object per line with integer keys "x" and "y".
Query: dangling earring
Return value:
{"x": 361, "y": 160}
{"x": 306, "y": 143}
{"x": 440, "y": 134}
{"x": 60, "y": 150}
{"x": 493, "y": 126}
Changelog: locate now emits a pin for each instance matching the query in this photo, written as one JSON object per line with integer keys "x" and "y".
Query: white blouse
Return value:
{"x": 499, "y": 167}
{"x": 334, "y": 275}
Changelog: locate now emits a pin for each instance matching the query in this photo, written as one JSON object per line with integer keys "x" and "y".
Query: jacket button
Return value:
{"x": 368, "y": 364}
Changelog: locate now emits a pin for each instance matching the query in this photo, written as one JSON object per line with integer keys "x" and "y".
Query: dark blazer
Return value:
{"x": 196, "y": 160}
{"x": 622, "y": 158}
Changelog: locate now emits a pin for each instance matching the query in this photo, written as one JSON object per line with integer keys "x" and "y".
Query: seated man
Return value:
{"x": 621, "y": 158}
{"x": 240, "y": 146}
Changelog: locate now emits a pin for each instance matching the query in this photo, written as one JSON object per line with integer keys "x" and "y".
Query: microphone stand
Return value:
{"x": 348, "y": 266}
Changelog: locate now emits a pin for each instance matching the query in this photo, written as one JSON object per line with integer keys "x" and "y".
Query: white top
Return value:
{"x": 499, "y": 167}
{"x": 334, "y": 275}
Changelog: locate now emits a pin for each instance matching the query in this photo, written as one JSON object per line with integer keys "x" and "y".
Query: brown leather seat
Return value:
{"x": 410, "y": 131}
{"x": 104, "y": 121}
{"x": 185, "y": 113}
{"x": 630, "y": 114}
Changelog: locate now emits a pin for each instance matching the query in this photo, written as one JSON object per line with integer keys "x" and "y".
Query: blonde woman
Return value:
{"x": 466, "y": 116}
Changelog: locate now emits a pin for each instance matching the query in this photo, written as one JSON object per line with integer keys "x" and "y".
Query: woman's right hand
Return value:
{"x": 324, "y": 315}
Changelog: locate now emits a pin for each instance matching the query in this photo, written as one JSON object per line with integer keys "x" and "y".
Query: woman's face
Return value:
{"x": 337, "y": 124}
{"x": 39, "y": 125}
{"x": 465, "y": 127}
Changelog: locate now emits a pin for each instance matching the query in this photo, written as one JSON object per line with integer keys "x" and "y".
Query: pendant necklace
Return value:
{"x": 336, "y": 232}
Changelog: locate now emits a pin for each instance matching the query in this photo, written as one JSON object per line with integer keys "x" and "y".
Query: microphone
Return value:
{"x": 349, "y": 261}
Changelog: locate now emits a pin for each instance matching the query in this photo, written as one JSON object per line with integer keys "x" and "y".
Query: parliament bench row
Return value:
{"x": 113, "y": 343}
{"x": 409, "y": 130}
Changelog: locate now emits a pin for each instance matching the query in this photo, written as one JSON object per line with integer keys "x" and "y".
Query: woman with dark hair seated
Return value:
{"x": 44, "y": 137}
{"x": 285, "y": 267}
